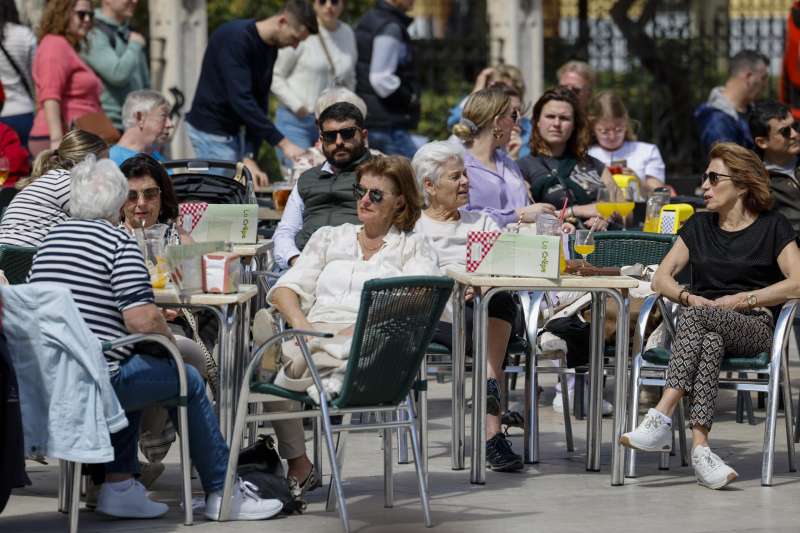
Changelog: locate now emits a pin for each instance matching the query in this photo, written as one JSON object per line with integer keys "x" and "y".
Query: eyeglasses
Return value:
{"x": 332, "y": 2}
{"x": 375, "y": 195}
{"x": 148, "y": 194}
{"x": 84, "y": 15}
{"x": 330, "y": 136}
{"x": 786, "y": 131}
{"x": 713, "y": 177}
{"x": 574, "y": 88}
{"x": 604, "y": 132}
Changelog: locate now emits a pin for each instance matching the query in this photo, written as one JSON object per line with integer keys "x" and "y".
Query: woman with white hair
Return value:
{"x": 440, "y": 173}
{"x": 148, "y": 126}
{"x": 104, "y": 269}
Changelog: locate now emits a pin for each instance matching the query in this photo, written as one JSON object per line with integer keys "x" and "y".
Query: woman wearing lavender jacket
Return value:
{"x": 497, "y": 187}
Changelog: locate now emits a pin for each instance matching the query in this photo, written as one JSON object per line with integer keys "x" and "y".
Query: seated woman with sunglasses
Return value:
{"x": 559, "y": 166}
{"x": 744, "y": 263}
{"x": 322, "y": 290}
{"x": 439, "y": 167}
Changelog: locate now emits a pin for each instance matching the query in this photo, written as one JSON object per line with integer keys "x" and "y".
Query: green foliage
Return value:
{"x": 220, "y": 11}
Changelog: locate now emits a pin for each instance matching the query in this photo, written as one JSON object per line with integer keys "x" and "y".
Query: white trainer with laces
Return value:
{"x": 710, "y": 470}
{"x": 653, "y": 434}
{"x": 246, "y": 504}
{"x": 129, "y": 503}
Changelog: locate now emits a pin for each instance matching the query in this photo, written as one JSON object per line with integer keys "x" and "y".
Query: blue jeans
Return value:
{"x": 392, "y": 142}
{"x": 301, "y": 131}
{"x": 143, "y": 380}
{"x": 213, "y": 146}
{"x": 22, "y": 124}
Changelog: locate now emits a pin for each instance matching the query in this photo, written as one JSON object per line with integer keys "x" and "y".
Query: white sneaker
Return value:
{"x": 246, "y": 504}
{"x": 129, "y": 503}
{"x": 558, "y": 404}
{"x": 710, "y": 470}
{"x": 653, "y": 434}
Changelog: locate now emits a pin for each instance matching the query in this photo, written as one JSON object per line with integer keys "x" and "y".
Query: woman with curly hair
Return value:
{"x": 559, "y": 166}
{"x": 66, "y": 88}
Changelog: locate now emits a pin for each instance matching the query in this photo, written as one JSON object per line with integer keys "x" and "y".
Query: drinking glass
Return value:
{"x": 616, "y": 200}
{"x": 584, "y": 243}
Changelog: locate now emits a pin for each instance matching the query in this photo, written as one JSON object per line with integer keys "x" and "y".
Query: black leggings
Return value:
{"x": 502, "y": 306}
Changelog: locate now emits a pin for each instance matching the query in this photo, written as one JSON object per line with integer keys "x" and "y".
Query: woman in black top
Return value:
{"x": 559, "y": 166}
{"x": 744, "y": 264}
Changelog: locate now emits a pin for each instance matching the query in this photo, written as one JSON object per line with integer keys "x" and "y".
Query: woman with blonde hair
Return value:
{"x": 615, "y": 143}
{"x": 497, "y": 187}
{"x": 66, "y": 87}
{"x": 559, "y": 168}
{"x": 44, "y": 199}
{"x": 744, "y": 264}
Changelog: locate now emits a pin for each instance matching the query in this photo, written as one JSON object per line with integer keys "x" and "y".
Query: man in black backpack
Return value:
{"x": 117, "y": 55}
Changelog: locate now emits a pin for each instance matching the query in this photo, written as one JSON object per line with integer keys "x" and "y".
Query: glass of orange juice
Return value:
{"x": 615, "y": 200}
{"x": 584, "y": 243}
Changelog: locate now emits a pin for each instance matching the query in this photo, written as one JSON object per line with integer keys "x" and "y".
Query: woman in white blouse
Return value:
{"x": 301, "y": 74}
{"x": 439, "y": 167}
{"x": 322, "y": 291}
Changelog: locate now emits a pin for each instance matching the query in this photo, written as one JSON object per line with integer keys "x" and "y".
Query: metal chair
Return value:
{"x": 649, "y": 368}
{"x": 395, "y": 323}
{"x": 15, "y": 262}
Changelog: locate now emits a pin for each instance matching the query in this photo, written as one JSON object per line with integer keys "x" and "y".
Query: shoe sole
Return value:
{"x": 129, "y": 516}
{"x": 255, "y": 516}
{"x": 625, "y": 441}
{"x": 512, "y": 467}
{"x": 730, "y": 479}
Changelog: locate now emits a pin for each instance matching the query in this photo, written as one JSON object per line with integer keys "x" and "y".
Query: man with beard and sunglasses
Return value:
{"x": 323, "y": 195}
{"x": 777, "y": 142}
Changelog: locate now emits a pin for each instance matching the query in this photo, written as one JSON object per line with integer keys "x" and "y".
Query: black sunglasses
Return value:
{"x": 346, "y": 133}
{"x": 148, "y": 194}
{"x": 786, "y": 131}
{"x": 83, "y": 15}
{"x": 713, "y": 177}
{"x": 332, "y": 2}
{"x": 375, "y": 195}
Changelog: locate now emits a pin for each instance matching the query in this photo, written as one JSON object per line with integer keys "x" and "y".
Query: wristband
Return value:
{"x": 680, "y": 298}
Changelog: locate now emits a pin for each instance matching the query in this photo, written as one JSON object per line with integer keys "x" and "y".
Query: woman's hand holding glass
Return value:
{"x": 531, "y": 212}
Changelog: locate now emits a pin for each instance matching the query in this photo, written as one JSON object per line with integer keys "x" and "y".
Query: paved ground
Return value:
{"x": 555, "y": 495}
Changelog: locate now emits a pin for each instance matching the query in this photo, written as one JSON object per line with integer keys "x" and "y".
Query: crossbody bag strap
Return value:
{"x": 17, "y": 70}
{"x": 327, "y": 55}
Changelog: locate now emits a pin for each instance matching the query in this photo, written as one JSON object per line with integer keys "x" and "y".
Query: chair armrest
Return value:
{"x": 164, "y": 341}
{"x": 783, "y": 323}
{"x": 641, "y": 323}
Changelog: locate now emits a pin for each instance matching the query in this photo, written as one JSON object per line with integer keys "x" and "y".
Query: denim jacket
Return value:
{"x": 67, "y": 402}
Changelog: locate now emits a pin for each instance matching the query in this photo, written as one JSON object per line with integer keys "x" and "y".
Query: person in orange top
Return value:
{"x": 66, "y": 88}
{"x": 789, "y": 91}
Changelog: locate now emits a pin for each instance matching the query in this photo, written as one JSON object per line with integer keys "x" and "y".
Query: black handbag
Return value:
{"x": 261, "y": 465}
{"x": 578, "y": 336}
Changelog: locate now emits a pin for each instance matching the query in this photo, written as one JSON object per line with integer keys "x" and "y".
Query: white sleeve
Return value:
{"x": 382, "y": 66}
{"x": 284, "y": 65}
{"x": 290, "y": 225}
{"x": 654, "y": 166}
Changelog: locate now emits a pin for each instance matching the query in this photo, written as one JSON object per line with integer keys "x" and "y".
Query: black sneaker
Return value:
{"x": 499, "y": 455}
{"x": 512, "y": 419}
{"x": 492, "y": 397}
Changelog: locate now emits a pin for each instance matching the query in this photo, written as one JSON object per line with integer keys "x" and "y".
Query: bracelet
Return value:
{"x": 680, "y": 297}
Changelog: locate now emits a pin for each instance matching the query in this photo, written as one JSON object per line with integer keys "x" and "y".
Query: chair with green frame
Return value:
{"x": 612, "y": 249}
{"x": 15, "y": 262}
{"x": 396, "y": 320}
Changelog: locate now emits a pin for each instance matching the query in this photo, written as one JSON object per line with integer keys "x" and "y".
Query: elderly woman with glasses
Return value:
{"x": 148, "y": 126}
{"x": 744, "y": 264}
{"x": 322, "y": 290}
{"x": 439, "y": 168}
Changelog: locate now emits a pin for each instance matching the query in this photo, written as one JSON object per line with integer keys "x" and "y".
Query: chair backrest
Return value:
{"x": 15, "y": 262}
{"x": 214, "y": 182}
{"x": 395, "y": 324}
{"x": 621, "y": 248}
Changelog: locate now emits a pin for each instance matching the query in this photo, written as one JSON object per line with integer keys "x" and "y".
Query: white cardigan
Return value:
{"x": 301, "y": 74}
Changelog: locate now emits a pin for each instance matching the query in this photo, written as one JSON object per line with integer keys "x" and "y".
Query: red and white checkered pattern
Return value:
{"x": 194, "y": 210}
{"x": 478, "y": 245}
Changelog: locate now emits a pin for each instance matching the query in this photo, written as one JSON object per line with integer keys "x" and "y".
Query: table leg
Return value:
{"x": 620, "y": 389}
{"x": 532, "y": 302}
{"x": 458, "y": 437}
{"x": 227, "y": 368}
{"x": 480, "y": 348}
{"x": 594, "y": 423}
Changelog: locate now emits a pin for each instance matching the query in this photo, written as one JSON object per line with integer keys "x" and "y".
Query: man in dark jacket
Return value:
{"x": 386, "y": 77}
{"x": 777, "y": 141}
{"x": 724, "y": 116}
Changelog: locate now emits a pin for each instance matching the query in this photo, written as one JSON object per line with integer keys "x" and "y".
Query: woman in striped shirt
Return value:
{"x": 44, "y": 200}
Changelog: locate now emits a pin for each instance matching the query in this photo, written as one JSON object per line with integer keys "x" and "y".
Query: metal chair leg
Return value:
{"x": 75, "y": 497}
{"x": 630, "y": 453}
{"x": 567, "y": 418}
{"x": 316, "y": 428}
{"x": 388, "y": 478}
{"x": 63, "y": 486}
{"x": 421, "y": 481}
{"x": 787, "y": 415}
{"x": 336, "y": 479}
{"x": 341, "y": 446}
{"x": 402, "y": 442}
{"x": 422, "y": 418}
{"x": 681, "y": 422}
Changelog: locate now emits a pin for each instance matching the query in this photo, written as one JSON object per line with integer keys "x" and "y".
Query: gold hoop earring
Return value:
{"x": 497, "y": 133}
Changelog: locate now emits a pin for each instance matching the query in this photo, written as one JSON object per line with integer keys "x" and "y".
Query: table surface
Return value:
{"x": 566, "y": 281}
{"x": 249, "y": 250}
{"x": 170, "y": 296}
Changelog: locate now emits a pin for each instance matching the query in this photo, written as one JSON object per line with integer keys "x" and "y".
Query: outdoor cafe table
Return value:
{"x": 233, "y": 314}
{"x": 599, "y": 287}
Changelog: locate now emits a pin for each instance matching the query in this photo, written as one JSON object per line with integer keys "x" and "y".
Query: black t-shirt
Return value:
{"x": 729, "y": 262}
{"x": 540, "y": 170}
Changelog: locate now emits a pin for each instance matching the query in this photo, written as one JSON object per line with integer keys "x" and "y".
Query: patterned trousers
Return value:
{"x": 704, "y": 335}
